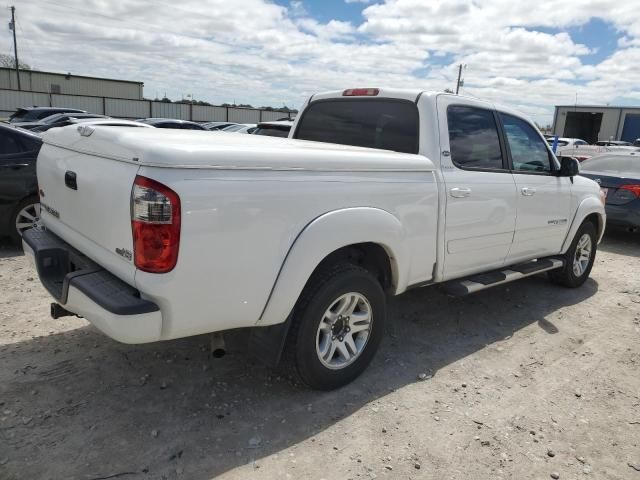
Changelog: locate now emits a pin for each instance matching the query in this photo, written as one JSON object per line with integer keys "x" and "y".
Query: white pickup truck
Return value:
{"x": 160, "y": 234}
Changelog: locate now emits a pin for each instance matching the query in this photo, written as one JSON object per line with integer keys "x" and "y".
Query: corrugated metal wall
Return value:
{"x": 243, "y": 115}
{"x": 269, "y": 116}
{"x": 70, "y": 84}
{"x": 10, "y": 100}
{"x": 116, "y": 107}
{"x": 170, "y": 110}
{"x": 203, "y": 113}
{"x": 90, "y": 104}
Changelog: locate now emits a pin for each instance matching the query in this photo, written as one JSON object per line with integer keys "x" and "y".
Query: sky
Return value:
{"x": 528, "y": 55}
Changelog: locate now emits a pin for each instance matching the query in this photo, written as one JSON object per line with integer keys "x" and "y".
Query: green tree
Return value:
{"x": 9, "y": 61}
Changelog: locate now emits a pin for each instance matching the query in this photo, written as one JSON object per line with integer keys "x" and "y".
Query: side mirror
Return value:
{"x": 569, "y": 167}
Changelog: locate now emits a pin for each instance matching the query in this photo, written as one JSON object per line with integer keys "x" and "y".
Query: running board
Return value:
{"x": 475, "y": 283}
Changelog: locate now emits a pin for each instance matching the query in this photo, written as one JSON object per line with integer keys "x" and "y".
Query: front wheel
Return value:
{"x": 579, "y": 259}
{"x": 337, "y": 327}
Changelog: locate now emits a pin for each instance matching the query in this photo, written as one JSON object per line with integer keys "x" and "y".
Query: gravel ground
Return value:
{"x": 523, "y": 381}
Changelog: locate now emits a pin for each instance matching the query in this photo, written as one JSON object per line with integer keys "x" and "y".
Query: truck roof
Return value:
{"x": 412, "y": 94}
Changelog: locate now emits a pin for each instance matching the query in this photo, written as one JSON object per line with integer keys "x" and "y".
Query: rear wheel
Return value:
{"x": 25, "y": 216}
{"x": 579, "y": 259}
{"x": 337, "y": 327}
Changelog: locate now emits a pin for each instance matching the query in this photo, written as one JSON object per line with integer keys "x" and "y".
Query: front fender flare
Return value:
{"x": 326, "y": 234}
{"x": 587, "y": 207}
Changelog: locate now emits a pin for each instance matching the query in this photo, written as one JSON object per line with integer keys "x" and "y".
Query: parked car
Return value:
{"x": 613, "y": 143}
{"x": 584, "y": 152}
{"x": 302, "y": 241}
{"x": 217, "y": 125}
{"x": 274, "y": 129}
{"x": 60, "y": 120}
{"x": 567, "y": 142}
{"x": 172, "y": 123}
{"x": 618, "y": 174}
{"x": 109, "y": 122}
{"x": 240, "y": 128}
{"x": 19, "y": 203}
{"x": 34, "y": 114}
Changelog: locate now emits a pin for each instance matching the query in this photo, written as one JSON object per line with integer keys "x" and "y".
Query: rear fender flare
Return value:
{"x": 326, "y": 234}
{"x": 587, "y": 207}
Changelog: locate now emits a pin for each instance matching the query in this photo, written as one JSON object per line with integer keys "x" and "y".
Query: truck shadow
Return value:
{"x": 621, "y": 241}
{"x": 83, "y": 406}
{"x": 8, "y": 249}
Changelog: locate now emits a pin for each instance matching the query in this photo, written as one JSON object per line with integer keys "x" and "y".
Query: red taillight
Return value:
{"x": 361, "y": 92}
{"x": 632, "y": 188}
{"x": 580, "y": 158}
{"x": 155, "y": 223}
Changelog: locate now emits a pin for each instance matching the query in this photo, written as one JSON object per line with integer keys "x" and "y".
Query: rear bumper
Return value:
{"x": 86, "y": 289}
{"x": 624, "y": 215}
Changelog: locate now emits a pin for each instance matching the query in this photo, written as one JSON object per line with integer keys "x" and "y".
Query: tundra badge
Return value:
{"x": 123, "y": 252}
{"x": 559, "y": 221}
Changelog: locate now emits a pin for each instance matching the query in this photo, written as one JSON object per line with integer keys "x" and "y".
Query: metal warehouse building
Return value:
{"x": 60, "y": 83}
{"x": 593, "y": 123}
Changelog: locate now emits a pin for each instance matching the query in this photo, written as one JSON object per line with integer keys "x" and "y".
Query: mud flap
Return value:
{"x": 267, "y": 343}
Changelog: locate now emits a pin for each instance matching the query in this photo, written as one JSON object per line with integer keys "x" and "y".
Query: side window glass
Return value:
{"x": 529, "y": 152}
{"x": 9, "y": 144}
{"x": 473, "y": 138}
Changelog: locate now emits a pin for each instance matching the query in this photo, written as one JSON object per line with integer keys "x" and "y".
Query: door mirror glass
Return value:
{"x": 569, "y": 167}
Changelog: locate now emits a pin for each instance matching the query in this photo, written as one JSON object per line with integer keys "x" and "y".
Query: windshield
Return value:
{"x": 234, "y": 128}
{"x": 22, "y": 115}
{"x": 363, "y": 122}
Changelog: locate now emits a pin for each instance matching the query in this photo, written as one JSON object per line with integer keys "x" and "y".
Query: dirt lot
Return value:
{"x": 527, "y": 380}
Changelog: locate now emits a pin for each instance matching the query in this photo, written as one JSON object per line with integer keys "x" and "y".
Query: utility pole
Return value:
{"x": 15, "y": 44}
{"x": 459, "y": 77}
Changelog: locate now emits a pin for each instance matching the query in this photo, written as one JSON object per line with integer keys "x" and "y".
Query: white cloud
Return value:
{"x": 257, "y": 52}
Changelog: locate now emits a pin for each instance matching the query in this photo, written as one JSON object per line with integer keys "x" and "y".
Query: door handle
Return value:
{"x": 15, "y": 166}
{"x": 527, "y": 192}
{"x": 460, "y": 192}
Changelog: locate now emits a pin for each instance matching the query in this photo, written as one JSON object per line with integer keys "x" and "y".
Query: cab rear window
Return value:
{"x": 375, "y": 123}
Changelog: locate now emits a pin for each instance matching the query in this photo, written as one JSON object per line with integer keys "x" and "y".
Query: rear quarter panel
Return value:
{"x": 238, "y": 226}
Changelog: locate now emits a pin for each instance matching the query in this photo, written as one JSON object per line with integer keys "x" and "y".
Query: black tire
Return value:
{"x": 15, "y": 234}
{"x": 566, "y": 275}
{"x": 322, "y": 291}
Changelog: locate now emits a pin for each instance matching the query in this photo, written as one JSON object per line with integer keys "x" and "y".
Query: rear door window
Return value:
{"x": 363, "y": 122}
{"x": 473, "y": 138}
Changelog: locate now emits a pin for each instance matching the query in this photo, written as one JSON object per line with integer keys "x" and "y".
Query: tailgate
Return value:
{"x": 86, "y": 202}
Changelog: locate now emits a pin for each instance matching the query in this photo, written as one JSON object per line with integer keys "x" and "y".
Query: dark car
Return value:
{"x": 278, "y": 128}
{"x": 62, "y": 120}
{"x": 217, "y": 125}
{"x": 172, "y": 123}
{"x": 34, "y": 114}
{"x": 619, "y": 177}
{"x": 19, "y": 202}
